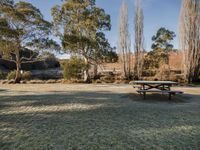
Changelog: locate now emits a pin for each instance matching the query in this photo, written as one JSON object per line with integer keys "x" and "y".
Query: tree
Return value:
{"x": 161, "y": 48}
{"x": 189, "y": 31}
{"x": 22, "y": 26}
{"x": 139, "y": 49}
{"x": 124, "y": 46}
{"x": 162, "y": 40}
{"x": 78, "y": 24}
{"x": 162, "y": 44}
{"x": 101, "y": 51}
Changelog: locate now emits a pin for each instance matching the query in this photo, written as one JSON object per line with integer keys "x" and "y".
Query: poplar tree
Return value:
{"x": 189, "y": 34}
{"x": 124, "y": 46}
{"x": 139, "y": 39}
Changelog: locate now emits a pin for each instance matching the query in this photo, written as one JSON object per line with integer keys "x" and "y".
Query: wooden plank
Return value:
{"x": 156, "y": 82}
{"x": 158, "y": 91}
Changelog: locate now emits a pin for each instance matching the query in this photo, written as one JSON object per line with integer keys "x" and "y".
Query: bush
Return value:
{"x": 2, "y": 75}
{"x": 148, "y": 73}
{"x": 73, "y": 68}
{"x": 11, "y": 75}
{"x": 27, "y": 75}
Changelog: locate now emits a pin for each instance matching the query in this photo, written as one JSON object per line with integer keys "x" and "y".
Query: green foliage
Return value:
{"x": 103, "y": 50}
{"x": 111, "y": 56}
{"x": 161, "y": 47}
{"x": 11, "y": 75}
{"x": 73, "y": 68}
{"x": 162, "y": 40}
{"x": 27, "y": 75}
{"x": 79, "y": 24}
{"x": 22, "y": 26}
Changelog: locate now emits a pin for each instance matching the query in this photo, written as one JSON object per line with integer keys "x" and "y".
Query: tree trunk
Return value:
{"x": 86, "y": 71}
{"x": 18, "y": 68}
{"x": 95, "y": 71}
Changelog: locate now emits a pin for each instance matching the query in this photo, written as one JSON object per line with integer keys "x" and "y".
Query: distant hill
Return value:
{"x": 175, "y": 62}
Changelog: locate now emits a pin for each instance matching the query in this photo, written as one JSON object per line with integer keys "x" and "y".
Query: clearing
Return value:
{"x": 81, "y": 116}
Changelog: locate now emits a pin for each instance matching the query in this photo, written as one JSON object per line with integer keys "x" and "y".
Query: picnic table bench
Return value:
{"x": 163, "y": 87}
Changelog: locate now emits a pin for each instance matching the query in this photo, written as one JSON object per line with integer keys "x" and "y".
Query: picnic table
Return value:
{"x": 156, "y": 87}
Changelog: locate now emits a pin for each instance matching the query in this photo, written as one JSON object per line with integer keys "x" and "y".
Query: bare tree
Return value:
{"x": 124, "y": 44}
{"x": 189, "y": 29}
{"x": 139, "y": 49}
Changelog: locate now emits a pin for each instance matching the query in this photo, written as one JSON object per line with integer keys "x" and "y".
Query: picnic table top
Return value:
{"x": 154, "y": 82}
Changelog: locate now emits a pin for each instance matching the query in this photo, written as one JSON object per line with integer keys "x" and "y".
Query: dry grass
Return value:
{"x": 57, "y": 116}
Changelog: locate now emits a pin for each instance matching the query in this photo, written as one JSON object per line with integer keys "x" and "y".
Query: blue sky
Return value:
{"x": 157, "y": 13}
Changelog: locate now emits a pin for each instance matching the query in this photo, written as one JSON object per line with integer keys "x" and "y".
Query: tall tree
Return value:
{"x": 162, "y": 44}
{"x": 139, "y": 39}
{"x": 124, "y": 46}
{"x": 161, "y": 47}
{"x": 22, "y": 26}
{"x": 101, "y": 51}
{"x": 189, "y": 30}
{"x": 77, "y": 23}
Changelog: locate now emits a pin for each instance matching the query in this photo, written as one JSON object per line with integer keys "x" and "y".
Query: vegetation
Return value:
{"x": 2, "y": 75}
{"x": 161, "y": 48}
{"x": 190, "y": 38}
{"x": 111, "y": 56}
{"x": 24, "y": 75}
{"x": 73, "y": 68}
{"x": 139, "y": 39}
{"x": 25, "y": 39}
{"x": 124, "y": 43}
{"x": 22, "y": 26}
{"x": 96, "y": 117}
{"x": 11, "y": 75}
{"x": 82, "y": 23}
{"x": 27, "y": 75}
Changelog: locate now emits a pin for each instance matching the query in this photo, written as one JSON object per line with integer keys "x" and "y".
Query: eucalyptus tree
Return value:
{"x": 124, "y": 46}
{"x": 22, "y": 26}
{"x": 162, "y": 45}
{"x": 139, "y": 39}
{"x": 77, "y": 23}
{"x": 189, "y": 31}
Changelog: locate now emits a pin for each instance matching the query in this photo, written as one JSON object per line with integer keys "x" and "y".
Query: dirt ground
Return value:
{"x": 97, "y": 116}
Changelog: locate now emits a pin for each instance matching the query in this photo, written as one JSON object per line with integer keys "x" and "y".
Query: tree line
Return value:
{"x": 80, "y": 26}
{"x": 189, "y": 37}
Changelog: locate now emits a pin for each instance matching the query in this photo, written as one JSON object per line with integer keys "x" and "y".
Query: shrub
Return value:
{"x": 11, "y": 75}
{"x": 2, "y": 75}
{"x": 148, "y": 73}
{"x": 27, "y": 75}
{"x": 73, "y": 68}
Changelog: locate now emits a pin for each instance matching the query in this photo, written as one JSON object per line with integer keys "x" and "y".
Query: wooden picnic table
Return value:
{"x": 156, "y": 87}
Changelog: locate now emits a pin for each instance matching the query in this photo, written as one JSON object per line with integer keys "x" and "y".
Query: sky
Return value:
{"x": 157, "y": 13}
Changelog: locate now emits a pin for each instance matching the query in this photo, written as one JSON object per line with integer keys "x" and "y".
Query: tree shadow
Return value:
{"x": 110, "y": 120}
{"x": 3, "y": 90}
{"x": 160, "y": 98}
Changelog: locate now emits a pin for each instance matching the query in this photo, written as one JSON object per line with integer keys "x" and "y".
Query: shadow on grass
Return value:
{"x": 98, "y": 120}
{"x": 3, "y": 90}
{"x": 161, "y": 98}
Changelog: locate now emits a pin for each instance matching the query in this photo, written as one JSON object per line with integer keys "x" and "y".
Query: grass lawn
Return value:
{"x": 58, "y": 116}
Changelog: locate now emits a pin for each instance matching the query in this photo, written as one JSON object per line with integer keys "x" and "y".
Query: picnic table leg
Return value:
{"x": 144, "y": 94}
{"x": 170, "y": 96}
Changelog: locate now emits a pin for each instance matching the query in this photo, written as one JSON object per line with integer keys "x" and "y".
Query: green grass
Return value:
{"x": 98, "y": 119}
